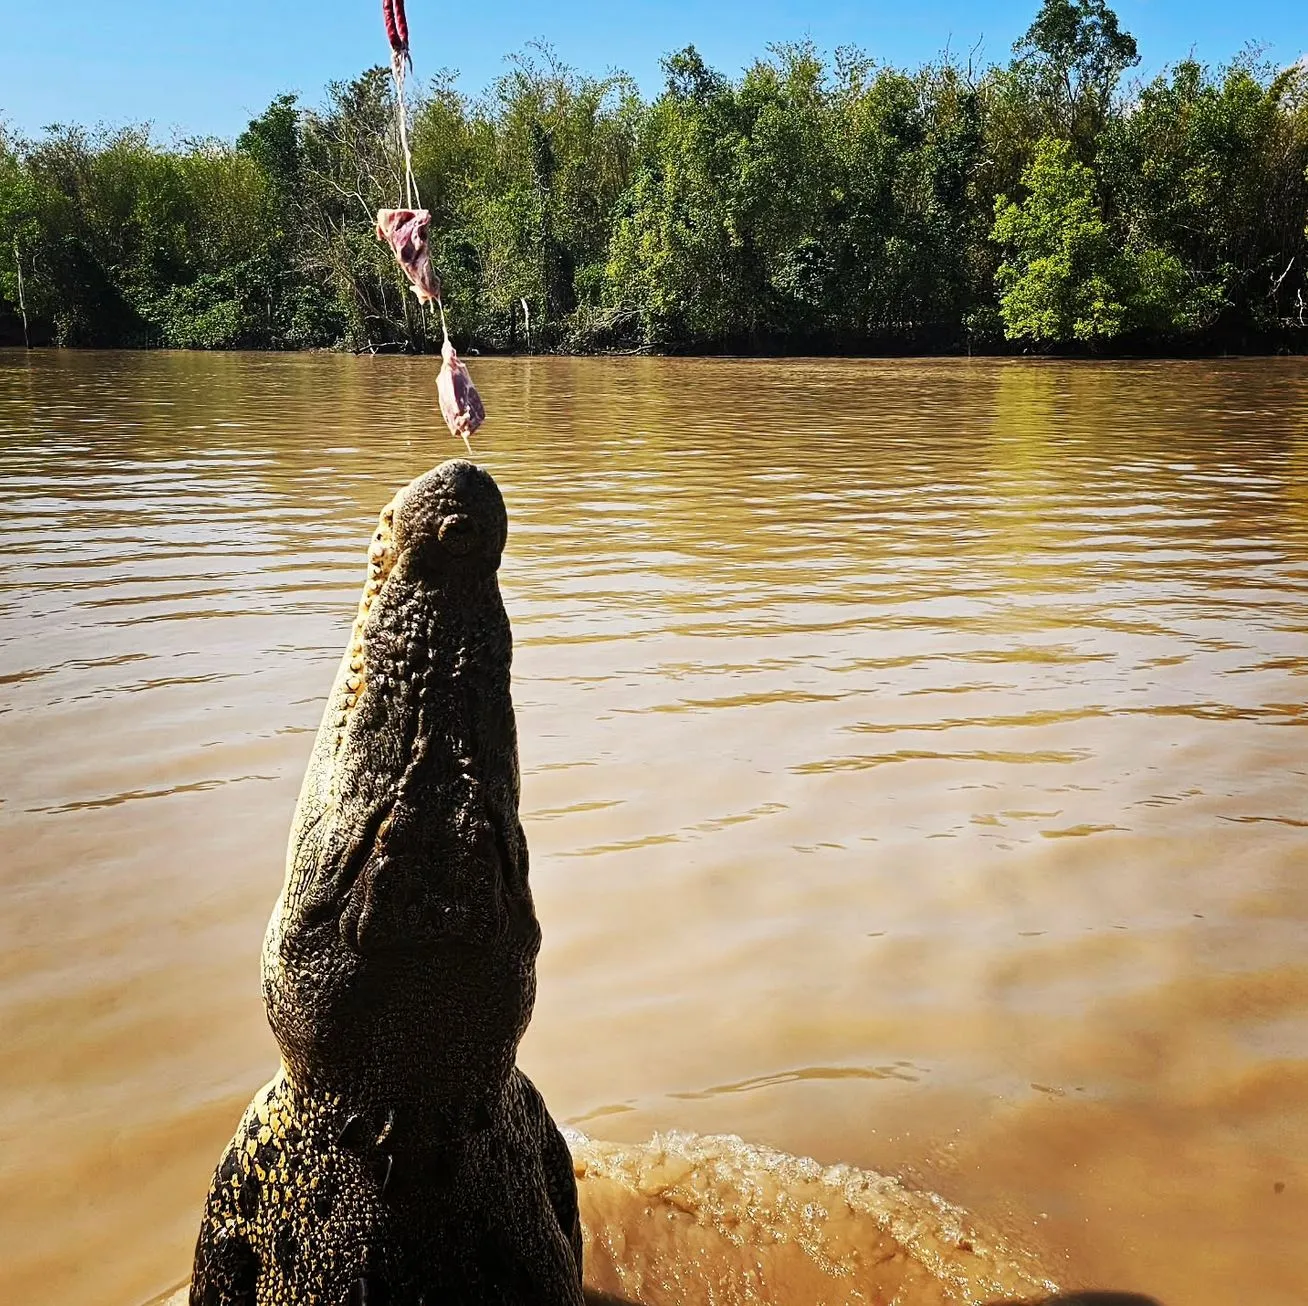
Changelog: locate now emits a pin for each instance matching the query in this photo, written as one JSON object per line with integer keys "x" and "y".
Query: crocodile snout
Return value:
{"x": 452, "y": 516}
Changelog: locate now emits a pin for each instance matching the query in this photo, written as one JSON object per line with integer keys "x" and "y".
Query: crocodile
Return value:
{"x": 399, "y": 1157}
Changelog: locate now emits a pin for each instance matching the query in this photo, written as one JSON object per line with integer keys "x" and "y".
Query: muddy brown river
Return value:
{"x": 914, "y": 767}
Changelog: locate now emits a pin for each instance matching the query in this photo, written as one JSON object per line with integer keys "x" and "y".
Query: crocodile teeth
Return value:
{"x": 381, "y": 558}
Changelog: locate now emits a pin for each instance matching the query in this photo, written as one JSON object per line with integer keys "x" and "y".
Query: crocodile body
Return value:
{"x": 399, "y": 1156}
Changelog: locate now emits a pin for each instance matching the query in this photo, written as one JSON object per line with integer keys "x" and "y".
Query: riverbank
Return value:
{"x": 1292, "y": 342}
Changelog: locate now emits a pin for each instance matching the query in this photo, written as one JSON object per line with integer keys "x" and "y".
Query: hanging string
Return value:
{"x": 397, "y": 33}
{"x": 411, "y": 197}
{"x": 405, "y": 230}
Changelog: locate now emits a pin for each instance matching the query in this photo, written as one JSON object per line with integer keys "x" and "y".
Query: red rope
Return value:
{"x": 397, "y": 26}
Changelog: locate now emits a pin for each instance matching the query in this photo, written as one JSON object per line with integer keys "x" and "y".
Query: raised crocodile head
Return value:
{"x": 400, "y": 959}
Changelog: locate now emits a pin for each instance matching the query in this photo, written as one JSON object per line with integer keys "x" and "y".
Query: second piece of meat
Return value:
{"x": 461, "y": 405}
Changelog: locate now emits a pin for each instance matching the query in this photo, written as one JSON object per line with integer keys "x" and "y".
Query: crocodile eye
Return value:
{"x": 458, "y": 533}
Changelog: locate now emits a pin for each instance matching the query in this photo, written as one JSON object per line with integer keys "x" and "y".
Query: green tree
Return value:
{"x": 553, "y": 154}
{"x": 1061, "y": 279}
{"x": 906, "y": 212}
{"x": 21, "y": 237}
{"x": 721, "y": 239}
{"x": 1074, "y": 55}
{"x": 1208, "y": 173}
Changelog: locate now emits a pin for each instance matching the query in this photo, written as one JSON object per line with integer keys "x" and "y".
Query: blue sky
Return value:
{"x": 206, "y": 68}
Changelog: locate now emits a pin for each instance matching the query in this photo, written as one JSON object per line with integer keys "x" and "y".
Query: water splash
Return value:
{"x": 686, "y": 1219}
{"x": 690, "y": 1220}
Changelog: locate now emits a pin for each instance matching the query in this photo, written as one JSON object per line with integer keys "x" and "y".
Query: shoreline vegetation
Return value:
{"x": 823, "y": 206}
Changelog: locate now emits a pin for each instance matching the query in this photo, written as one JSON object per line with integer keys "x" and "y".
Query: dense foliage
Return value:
{"x": 806, "y": 205}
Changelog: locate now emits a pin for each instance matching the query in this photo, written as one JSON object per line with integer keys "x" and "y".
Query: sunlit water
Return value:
{"x": 914, "y": 770}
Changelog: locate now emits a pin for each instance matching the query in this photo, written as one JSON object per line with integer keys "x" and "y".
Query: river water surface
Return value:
{"x": 914, "y": 767}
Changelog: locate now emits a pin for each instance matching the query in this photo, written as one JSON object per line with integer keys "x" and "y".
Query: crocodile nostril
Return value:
{"x": 457, "y": 533}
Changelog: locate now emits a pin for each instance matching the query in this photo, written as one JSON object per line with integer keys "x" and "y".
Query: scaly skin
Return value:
{"x": 399, "y": 1157}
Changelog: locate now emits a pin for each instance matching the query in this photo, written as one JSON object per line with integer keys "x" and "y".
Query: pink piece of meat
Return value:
{"x": 405, "y": 231}
{"x": 461, "y": 405}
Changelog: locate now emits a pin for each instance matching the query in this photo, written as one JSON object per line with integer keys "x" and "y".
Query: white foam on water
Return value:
{"x": 693, "y": 1220}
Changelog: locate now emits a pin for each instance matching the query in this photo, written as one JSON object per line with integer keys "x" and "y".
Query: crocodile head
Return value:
{"x": 400, "y": 958}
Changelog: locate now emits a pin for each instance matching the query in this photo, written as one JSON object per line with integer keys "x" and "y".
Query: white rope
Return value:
{"x": 411, "y": 196}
